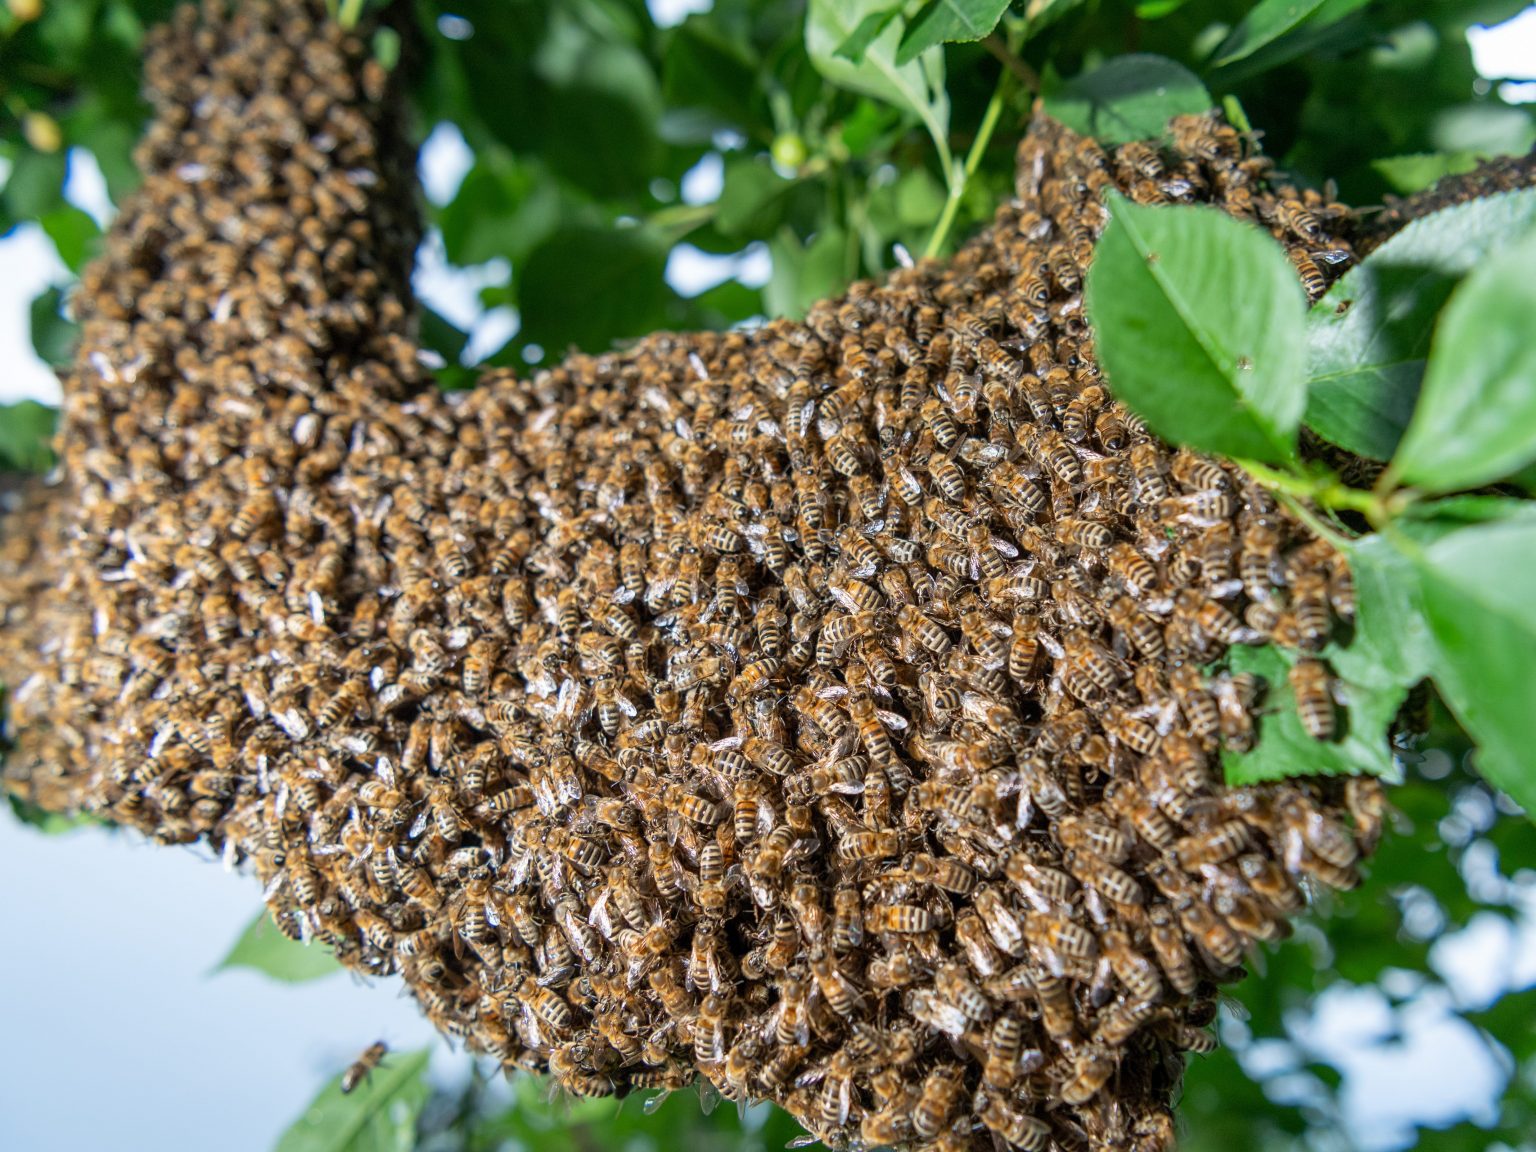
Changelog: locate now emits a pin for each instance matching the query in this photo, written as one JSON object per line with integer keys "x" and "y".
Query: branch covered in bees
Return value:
{"x": 821, "y": 710}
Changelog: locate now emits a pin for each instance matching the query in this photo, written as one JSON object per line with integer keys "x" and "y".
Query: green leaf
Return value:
{"x": 1284, "y": 748}
{"x": 1476, "y": 589}
{"x": 865, "y": 34}
{"x": 1271, "y": 19}
{"x": 74, "y": 234}
{"x": 1476, "y": 417}
{"x": 1416, "y": 172}
{"x": 1368, "y": 337}
{"x": 378, "y": 1116}
{"x": 48, "y": 823}
{"x": 26, "y": 434}
{"x": 1390, "y": 627}
{"x": 1041, "y": 14}
{"x": 591, "y": 286}
{"x": 949, "y": 22}
{"x": 805, "y": 273}
{"x": 1127, "y": 98}
{"x": 35, "y": 186}
{"x": 917, "y": 86}
{"x": 750, "y": 203}
{"x": 53, "y": 336}
{"x": 1199, "y": 321}
{"x": 263, "y": 948}
{"x": 442, "y": 336}
{"x": 503, "y": 208}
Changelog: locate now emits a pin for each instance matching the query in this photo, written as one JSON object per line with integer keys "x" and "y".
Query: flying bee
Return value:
{"x": 363, "y": 1065}
{"x": 1311, "y": 685}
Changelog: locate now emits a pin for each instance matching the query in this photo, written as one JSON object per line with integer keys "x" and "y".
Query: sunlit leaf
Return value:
{"x": 264, "y": 949}
{"x": 1416, "y": 172}
{"x": 1270, "y": 20}
{"x": 1199, "y": 321}
{"x": 917, "y": 86}
{"x": 26, "y": 429}
{"x": 377, "y": 1116}
{"x": 1476, "y": 416}
{"x": 1476, "y": 591}
{"x": 1284, "y": 748}
{"x": 1127, "y": 98}
{"x": 1369, "y": 336}
{"x": 948, "y": 21}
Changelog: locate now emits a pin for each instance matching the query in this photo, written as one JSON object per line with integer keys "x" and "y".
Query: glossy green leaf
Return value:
{"x": 53, "y": 336}
{"x": 378, "y": 1116}
{"x": 504, "y": 208}
{"x": 1270, "y": 20}
{"x": 587, "y": 287}
{"x": 1369, "y": 336}
{"x": 1476, "y": 589}
{"x": 751, "y": 198}
{"x": 1417, "y": 171}
{"x": 805, "y": 273}
{"x": 1285, "y": 749}
{"x": 35, "y": 186}
{"x": 264, "y": 949}
{"x": 26, "y": 432}
{"x": 1127, "y": 98}
{"x": 866, "y": 33}
{"x": 1199, "y": 321}
{"x": 947, "y": 22}
{"x": 917, "y": 86}
{"x": 1041, "y": 14}
{"x": 75, "y": 235}
{"x": 1390, "y": 627}
{"x": 1476, "y": 416}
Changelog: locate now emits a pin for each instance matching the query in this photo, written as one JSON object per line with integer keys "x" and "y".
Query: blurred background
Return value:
{"x": 726, "y": 182}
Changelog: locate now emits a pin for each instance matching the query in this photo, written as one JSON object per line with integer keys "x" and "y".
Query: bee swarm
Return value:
{"x": 817, "y": 709}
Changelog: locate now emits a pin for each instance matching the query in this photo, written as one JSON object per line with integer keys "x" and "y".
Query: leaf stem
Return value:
{"x": 1325, "y": 489}
{"x": 957, "y": 187}
{"x": 1009, "y": 59}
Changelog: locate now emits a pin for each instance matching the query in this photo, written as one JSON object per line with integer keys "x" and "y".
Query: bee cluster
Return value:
{"x": 819, "y": 709}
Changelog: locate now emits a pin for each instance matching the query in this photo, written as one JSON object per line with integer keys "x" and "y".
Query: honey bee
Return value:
{"x": 1056, "y": 1010}
{"x": 901, "y": 918}
{"x": 1091, "y": 1069}
{"x": 1102, "y": 876}
{"x": 1016, "y": 1128}
{"x": 940, "y": 1097}
{"x": 837, "y": 989}
{"x": 363, "y": 1065}
{"x": 1311, "y": 686}
{"x": 1088, "y": 835}
{"x": 1235, "y": 699}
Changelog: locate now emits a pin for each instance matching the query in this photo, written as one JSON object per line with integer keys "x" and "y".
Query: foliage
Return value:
{"x": 1191, "y": 305}
{"x": 379, "y": 1115}
{"x": 850, "y": 136}
{"x": 262, "y": 948}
